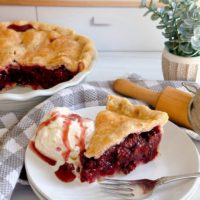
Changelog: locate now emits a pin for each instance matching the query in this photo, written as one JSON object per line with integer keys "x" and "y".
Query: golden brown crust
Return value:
{"x": 120, "y": 119}
{"x": 47, "y": 45}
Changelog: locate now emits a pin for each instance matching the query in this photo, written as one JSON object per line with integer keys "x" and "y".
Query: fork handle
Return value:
{"x": 168, "y": 179}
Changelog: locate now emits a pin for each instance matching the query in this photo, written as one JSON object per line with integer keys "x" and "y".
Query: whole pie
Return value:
{"x": 122, "y": 137}
{"x": 41, "y": 55}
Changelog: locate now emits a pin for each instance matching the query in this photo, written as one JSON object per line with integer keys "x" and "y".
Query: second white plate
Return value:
{"x": 178, "y": 155}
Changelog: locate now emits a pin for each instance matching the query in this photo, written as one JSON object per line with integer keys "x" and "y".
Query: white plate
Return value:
{"x": 37, "y": 193}
{"x": 178, "y": 155}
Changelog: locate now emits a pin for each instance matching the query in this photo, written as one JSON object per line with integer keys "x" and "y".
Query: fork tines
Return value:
{"x": 118, "y": 188}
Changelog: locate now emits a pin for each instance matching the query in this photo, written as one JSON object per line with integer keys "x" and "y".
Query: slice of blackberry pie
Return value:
{"x": 125, "y": 136}
{"x": 41, "y": 55}
{"x": 121, "y": 137}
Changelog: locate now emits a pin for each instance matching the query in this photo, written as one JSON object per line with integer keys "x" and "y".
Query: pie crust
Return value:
{"x": 30, "y": 45}
{"x": 120, "y": 119}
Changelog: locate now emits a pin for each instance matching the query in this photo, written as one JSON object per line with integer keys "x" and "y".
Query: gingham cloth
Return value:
{"x": 16, "y": 133}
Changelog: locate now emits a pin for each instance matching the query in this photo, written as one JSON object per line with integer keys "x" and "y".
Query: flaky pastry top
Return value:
{"x": 120, "y": 119}
{"x": 45, "y": 45}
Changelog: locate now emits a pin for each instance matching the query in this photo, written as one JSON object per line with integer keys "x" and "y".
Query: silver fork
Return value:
{"x": 139, "y": 189}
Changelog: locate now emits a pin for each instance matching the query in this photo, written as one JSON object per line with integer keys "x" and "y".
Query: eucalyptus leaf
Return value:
{"x": 165, "y": 18}
{"x": 167, "y": 8}
{"x": 173, "y": 4}
{"x": 195, "y": 41}
{"x": 188, "y": 22}
{"x": 168, "y": 35}
{"x": 164, "y": 1}
{"x": 187, "y": 49}
{"x": 197, "y": 31}
{"x": 155, "y": 16}
{"x": 183, "y": 39}
{"x": 192, "y": 7}
{"x": 161, "y": 26}
{"x": 170, "y": 30}
{"x": 171, "y": 45}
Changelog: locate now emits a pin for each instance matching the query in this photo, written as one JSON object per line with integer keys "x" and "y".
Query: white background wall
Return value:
{"x": 112, "y": 29}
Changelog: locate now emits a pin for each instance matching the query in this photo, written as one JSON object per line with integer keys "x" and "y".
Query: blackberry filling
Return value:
{"x": 35, "y": 76}
{"x": 122, "y": 158}
{"x": 20, "y": 28}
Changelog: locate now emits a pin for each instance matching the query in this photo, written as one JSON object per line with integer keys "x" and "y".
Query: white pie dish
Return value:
{"x": 25, "y": 97}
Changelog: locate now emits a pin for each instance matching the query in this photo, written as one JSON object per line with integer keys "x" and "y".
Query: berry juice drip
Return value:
{"x": 43, "y": 157}
{"x": 66, "y": 172}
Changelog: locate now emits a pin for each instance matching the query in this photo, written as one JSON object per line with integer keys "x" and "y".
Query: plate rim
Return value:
{"x": 35, "y": 190}
{"x": 187, "y": 194}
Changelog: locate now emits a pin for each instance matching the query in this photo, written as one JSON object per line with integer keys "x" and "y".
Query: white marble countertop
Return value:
{"x": 110, "y": 66}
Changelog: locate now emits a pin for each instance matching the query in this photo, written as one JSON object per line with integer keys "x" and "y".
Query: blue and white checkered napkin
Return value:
{"x": 17, "y": 130}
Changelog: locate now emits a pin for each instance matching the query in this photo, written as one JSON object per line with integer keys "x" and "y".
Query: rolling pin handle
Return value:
{"x": 130, "y": 89}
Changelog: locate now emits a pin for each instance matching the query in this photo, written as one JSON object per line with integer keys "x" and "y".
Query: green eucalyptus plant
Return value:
{"x": 180, "y": 22}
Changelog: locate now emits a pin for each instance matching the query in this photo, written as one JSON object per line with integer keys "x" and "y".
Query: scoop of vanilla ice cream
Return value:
{"x": 49, "y": 137}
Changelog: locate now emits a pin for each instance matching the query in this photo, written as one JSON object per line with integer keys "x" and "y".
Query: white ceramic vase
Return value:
{"x": 180, "y": 68}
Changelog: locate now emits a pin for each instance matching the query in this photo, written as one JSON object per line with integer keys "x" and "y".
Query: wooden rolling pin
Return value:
{"x": 170, "y": 100}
